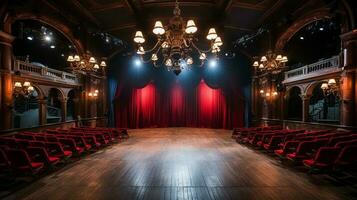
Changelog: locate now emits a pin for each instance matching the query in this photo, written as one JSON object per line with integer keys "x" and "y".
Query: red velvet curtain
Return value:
{"x": 175, "y": 105}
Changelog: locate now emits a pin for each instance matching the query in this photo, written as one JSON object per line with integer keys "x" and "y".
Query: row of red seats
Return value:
{"x": 322, "y": 149}
{"x": 243, "y": 130}
{"x": 31, "y": 152}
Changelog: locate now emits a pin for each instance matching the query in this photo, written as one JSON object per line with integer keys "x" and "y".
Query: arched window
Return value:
{"x": 26, "y": 111}
{"x": 54, "y": 105}
{"x": 324, "y": 107}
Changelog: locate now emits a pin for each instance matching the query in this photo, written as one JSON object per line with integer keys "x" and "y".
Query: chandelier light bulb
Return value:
{"x": 139, "y": 37}
{"x": 92, "y": 60}
{"x": 275, "y": 93}
{"x": 261, "y": 91}
{"x": 70, "y": 59}
{"x": 76, "y": 58}
{"x": 331, "y": 81}
{"x": 267, "y": 94}
{"x": 168, "y": 62}
{"x": 261, "y": 66}
{"x": 189, "y": 61}
{"x": 154, "y": 57}
{"x": 203, "y": 56}
{"x": 90, "y": 94}
{"x": 96, "y": 91}
{"x": 158, "y": 28}
{"x": 18, "y": 85}
{"x": 165, "y": 45}
{"x": 191, "y": 27}
{"x": 27, "y": 84}
{"x": 279, "y": 57}
{"x": 218, "y": 42}
{"x": 103, "y": 64}
{"x": 324, "y": 86}
{"x": 96, "y": 66}
{"x": 284, "y": 59}
{"x": 95, "y": 94}
{"x": 141, "y": 51}
{"x": 211, "y": 34}
{"x": 263, "y": 59}
{"x": 255, "y": 64}
{"x": 30, "y": 89}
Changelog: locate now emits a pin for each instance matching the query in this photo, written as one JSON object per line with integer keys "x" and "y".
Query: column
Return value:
{"x": 42, "y": 109}
{"x": 305, "y": 107}
{"x": 63, "y": 110}
{"x": 348, "y": 79}
{"x": 6, "y": 80}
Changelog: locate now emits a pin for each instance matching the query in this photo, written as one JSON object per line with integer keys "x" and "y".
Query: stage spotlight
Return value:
{"x": 212, "y": 63}
{"x": 137, "y": 62}
{"x": 47, "y": 38}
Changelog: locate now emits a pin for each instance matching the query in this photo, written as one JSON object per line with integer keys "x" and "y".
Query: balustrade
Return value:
{"x": 45, "y": 72}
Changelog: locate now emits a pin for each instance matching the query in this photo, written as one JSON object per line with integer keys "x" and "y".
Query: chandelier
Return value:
{"x": 267, "y": 94}
{"x": 271, "y": 62}
{"x": 175, "y": 44}
{"x": 330, "y": 87}
{"x": 85, "y": 63}
{"x": 25, "y": 89}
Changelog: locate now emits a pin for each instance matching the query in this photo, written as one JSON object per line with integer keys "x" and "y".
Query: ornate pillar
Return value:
{"x": 305, "y": 107}
{"x": 6, "y": 79}
{"x": 64, "y": 109}
{"x": 348, "y": 79}
{"x": 42, "y": 109}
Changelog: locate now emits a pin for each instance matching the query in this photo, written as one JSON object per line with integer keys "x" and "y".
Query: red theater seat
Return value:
{"x": 39, "y": 154}
{"x": 20, "y": 161}
{"x": 324, "y": 158}
{"x": 347, "y": 157}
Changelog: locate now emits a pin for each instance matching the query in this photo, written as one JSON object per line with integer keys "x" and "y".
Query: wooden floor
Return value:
{"x": 181, "y": 163}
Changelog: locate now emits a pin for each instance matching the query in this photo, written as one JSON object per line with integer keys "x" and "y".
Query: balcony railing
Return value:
{"x": 323, "y": 67}
{"x": 45, "y": 72}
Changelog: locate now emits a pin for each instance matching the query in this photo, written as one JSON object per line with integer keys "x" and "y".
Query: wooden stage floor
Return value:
{"x": 181, "y": 163}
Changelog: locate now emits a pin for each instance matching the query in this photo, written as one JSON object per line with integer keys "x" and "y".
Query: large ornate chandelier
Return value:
{"x": 271, "y": 62}
{"x": 175, "y": 44}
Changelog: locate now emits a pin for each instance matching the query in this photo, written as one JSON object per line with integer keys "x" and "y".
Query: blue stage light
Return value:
{"x": 212, "y": 63}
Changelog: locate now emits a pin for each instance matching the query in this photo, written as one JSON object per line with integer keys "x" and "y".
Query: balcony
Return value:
{"x": 320, "y": 68}
{"x": 44, "y": 73}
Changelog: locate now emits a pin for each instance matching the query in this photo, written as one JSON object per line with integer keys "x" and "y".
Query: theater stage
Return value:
{"x": 181, "y": 163}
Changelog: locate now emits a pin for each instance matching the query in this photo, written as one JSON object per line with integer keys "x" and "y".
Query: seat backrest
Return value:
{"x": 3, "y": 158}
{"x": 327, "y": 155}
{"x": 348, "y": 154}
{"x": 305, "y": 146}
{"x": 18, "y": 157}
{"x": 346, "y": 143}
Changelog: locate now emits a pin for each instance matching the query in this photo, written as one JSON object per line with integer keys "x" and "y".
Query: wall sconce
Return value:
{"x": 93, "y": 94}
{"x": 330, "y": 87}
{"x": 25, "y": 89}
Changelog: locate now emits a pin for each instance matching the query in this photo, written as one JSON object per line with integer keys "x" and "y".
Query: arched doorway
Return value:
{"x": 324, "y": 107}
{"x": 54, "y": 105}
{"x": 294, "y": 104}
{"x": 26, "y": 110}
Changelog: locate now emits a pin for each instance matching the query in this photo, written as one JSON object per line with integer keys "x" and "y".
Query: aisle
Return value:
{"x": 179, "y": 163}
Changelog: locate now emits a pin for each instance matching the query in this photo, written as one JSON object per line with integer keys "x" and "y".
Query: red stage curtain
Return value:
{"x": 200, "y": 106}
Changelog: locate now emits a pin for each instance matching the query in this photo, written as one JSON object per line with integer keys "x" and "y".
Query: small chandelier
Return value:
{"x": 268, "y": 94}
{"x": 175, "y": 43}
{"x": 25, "y": 89}
{"x": 271, "y": 62}
{"x": 330, "y": 87}
{"x": 85, "y": 63}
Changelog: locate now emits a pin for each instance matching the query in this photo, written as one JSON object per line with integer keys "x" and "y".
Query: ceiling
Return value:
{"x": 121, "y": 18}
